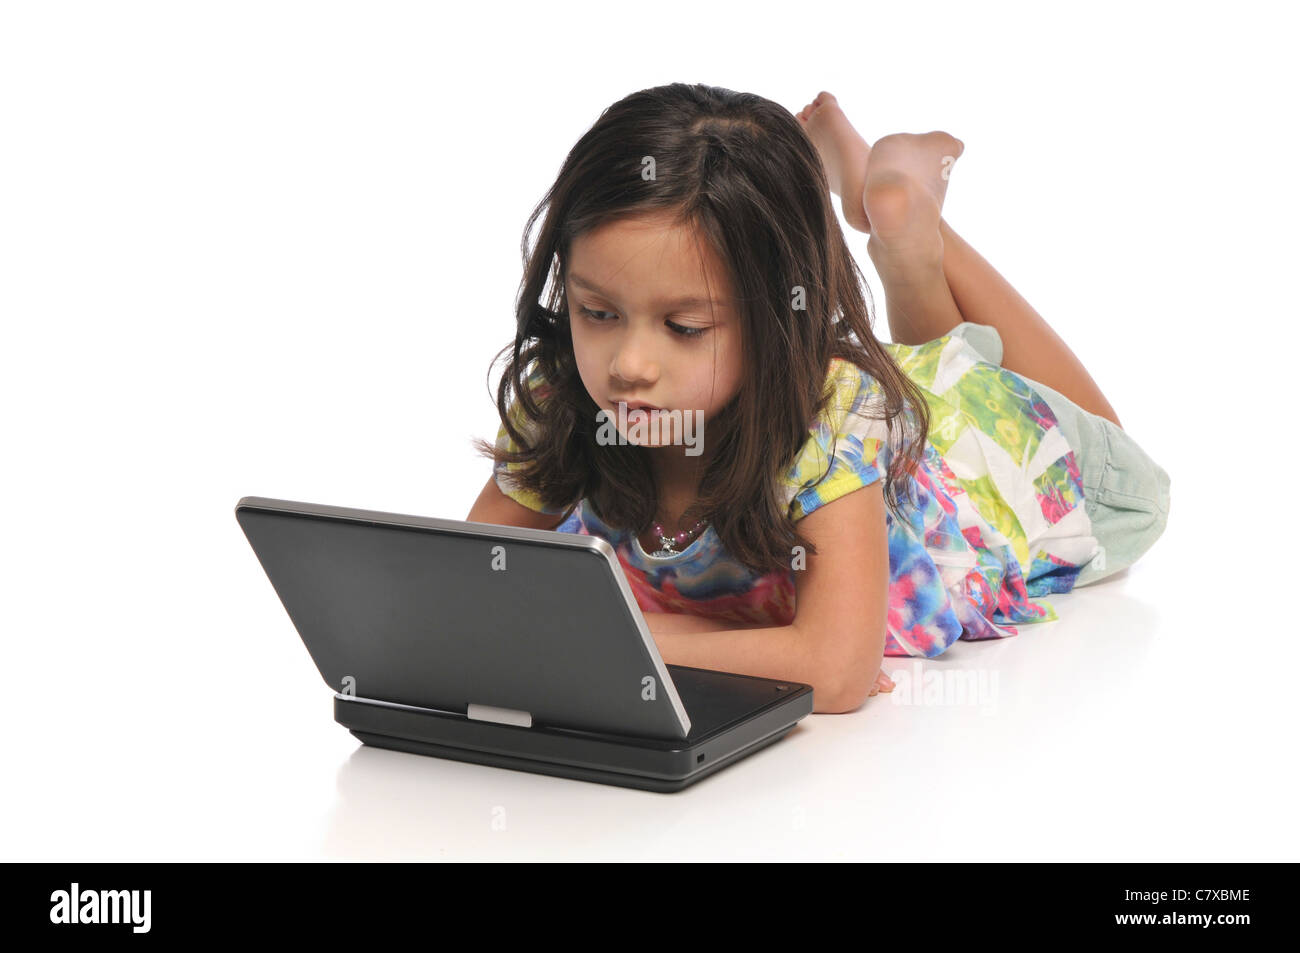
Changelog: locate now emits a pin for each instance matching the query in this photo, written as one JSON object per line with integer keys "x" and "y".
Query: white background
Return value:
{"x": 271, "y": 248}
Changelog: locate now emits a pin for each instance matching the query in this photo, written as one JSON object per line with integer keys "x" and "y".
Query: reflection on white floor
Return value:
{"x": 1141, "y": 725}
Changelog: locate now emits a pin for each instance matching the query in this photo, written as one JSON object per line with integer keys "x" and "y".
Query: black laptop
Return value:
{"x": 504, "y": 646}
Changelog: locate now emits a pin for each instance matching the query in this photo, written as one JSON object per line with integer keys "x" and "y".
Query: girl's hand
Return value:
{"x": 883, "y": 683}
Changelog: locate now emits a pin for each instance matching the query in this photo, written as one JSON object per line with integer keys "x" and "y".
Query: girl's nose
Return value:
{"x": 634, "y": 362}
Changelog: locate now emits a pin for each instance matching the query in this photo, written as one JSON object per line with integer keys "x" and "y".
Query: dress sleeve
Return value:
{"x": 504, "y": 471}
{"x": 846, "y": 450}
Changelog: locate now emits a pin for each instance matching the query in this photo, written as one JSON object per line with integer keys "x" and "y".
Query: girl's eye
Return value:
{"x": 677, "y": 328}
{"x": 687, "y": 332}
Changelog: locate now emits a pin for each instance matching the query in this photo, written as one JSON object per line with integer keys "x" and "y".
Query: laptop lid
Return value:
{"x": 446, "y": 614}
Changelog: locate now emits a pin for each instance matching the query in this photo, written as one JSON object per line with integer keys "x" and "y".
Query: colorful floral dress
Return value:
{"x": 995, "y": 521}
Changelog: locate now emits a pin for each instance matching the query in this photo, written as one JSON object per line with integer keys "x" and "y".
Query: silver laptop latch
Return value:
{"x": 503, "y": 716}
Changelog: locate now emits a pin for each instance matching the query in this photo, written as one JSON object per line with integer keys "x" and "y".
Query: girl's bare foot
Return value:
{"x": 906, "y": 182}
{"x": 844, "y": 154}
{"x": 907, "y": 177}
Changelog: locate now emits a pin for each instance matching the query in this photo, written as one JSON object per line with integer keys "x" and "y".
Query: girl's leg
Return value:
{"x": 903, "y": 195}
{"x": 905, "y": 244}
{"x": 933, "y": 279}
{"x": 910, "y": 242}
{"x": 919, "y": 302}
{"x": 1030, "y": 346}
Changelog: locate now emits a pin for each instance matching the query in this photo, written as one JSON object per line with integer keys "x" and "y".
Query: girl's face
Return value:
{"x": 643, "y": 327}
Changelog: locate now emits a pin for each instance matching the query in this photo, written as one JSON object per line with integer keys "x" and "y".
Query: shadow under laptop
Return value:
{"x": 397, "y": 806}
{"x": 1053, "y": 680}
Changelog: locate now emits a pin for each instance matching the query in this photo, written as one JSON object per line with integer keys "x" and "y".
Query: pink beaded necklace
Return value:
{"x": 668, "y": 543}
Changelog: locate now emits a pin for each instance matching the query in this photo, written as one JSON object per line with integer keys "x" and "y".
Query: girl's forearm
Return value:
{"x": 673, "y": 622}
{"x": 779, "y": 652}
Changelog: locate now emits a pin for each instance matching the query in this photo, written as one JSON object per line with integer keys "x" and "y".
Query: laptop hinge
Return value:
{"x": 503, "y": 716}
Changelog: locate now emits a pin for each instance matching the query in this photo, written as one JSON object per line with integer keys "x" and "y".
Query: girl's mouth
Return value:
{"x": 637, "y": 405}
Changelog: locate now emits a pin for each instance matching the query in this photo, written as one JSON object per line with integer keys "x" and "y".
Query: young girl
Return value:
{"x": 822, "y": 500}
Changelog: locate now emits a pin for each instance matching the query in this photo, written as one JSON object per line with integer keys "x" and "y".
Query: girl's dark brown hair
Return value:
{"x": 741, "y": 170}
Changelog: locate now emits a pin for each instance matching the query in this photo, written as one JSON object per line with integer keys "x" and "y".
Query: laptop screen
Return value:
{"x": 444, "y": 614}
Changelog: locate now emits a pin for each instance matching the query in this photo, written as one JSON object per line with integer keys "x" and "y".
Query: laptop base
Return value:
{"x": 558, "y": 770}
{"x": 650, "y": 764}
